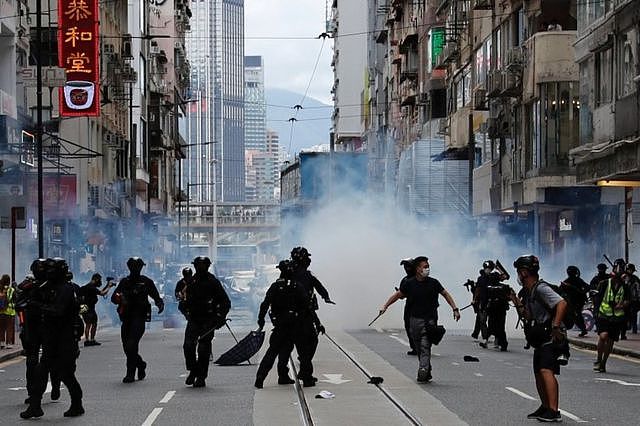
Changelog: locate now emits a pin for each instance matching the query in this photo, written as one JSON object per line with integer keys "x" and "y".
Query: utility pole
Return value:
{"x": 39, "y": 126}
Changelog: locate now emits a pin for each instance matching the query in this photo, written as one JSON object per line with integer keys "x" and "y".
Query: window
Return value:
{"x": 604, "y": 76}
{"x": 627, "y": 61}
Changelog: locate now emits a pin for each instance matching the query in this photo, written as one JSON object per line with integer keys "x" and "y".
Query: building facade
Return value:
{"x": 215, "y": 124}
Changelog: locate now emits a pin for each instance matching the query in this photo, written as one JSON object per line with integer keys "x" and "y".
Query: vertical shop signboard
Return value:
{"x": 78, "y": 51}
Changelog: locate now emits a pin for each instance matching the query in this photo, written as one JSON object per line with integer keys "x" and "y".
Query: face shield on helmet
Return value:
{"x": 201, "y": 264}
{"x": 619, "y": 266}
{"x": 187, "y": 273}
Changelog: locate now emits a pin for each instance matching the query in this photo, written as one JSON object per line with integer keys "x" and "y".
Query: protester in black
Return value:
{"x": 422, "y": 292}
{"x": 602, "y": 275}
{"x": 132, "y": 297}
{"x": 633, "y": 282}
{"x": 497, "y": 305}
{"x": 410, "y": 272}
{"x": 206, "y": 305}
{"x": 89, "y": 295}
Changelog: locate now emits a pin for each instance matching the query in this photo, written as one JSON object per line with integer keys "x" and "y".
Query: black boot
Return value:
{"x": 142, "y": 373}
{"x": 75, "y": 410}
{"x": 191, "y": 378}
{"x": 199, "y": 383}
{"x": 55, "y": 393}
{"x": 259, "y": 382}
{"x": 33, "y": 410}
{"x": 130, "y": 377}
{"x": 286, "y": 380}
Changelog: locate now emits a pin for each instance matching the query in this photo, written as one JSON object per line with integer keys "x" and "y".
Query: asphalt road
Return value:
{"x": 500, "y": 389}
{"x": 497, "y": 390}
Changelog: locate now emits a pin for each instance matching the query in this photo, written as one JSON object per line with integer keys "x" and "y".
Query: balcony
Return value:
{"x": 480, "y": 99}
{"x": 449, "y": 53}
{"x": 482, "y": 4}
{"x": 550, "y": 58}
{"x": 408, "y": 93}
{"x": 495, "y": 85}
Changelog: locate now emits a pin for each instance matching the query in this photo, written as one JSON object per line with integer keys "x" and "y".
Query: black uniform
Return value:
{"x": 309, "y": 325}
{"x": 481, "y": 297}
{"x": 406, "y": 315}
{"x": 289, "y": 305}
{"x": 132, "y": 297}
{"x": 56, "y": 304}
{"x": 497, "y": 306}
{"x": 575, "y": 290}
{"x": 206, "y": 305}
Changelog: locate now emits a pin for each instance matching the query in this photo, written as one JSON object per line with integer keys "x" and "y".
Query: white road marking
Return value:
{"x": 563, "y": 412}
{"x": 620, "y": 382}
{"x": 401, "y": 340}
{"x": 152, "y": 417}
{"x": 478, "y": 374}
{"x": 19, "y": 388}
{"x": 1, "y": 371}
{"x": 167, "y": 397}
{"x": 183, "y": 375}
{"x": 334, "y": 379}
{"x": 520, "y": 393}
{"x": 455, "y": 363}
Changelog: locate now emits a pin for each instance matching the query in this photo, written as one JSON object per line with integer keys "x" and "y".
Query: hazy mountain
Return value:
{"x": 312, "y": 127}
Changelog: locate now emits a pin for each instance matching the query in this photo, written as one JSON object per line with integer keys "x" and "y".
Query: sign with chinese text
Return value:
{"x": 437, "y": 43}
{"x": 78, "y": 54}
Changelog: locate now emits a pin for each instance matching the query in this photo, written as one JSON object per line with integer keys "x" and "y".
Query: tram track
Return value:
{"x": 392, "y": 399}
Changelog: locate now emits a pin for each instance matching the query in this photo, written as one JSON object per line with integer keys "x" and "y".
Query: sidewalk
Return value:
{"x": 7, "y": 354}
{"x": 629, "y": 347}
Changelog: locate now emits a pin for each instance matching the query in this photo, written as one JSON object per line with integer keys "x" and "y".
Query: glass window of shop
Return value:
{"x": 463, "y": 88}
{"x": 627, "y": 61}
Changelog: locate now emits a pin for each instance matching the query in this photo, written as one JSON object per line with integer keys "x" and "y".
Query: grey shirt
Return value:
{"x": 540, "y": 301}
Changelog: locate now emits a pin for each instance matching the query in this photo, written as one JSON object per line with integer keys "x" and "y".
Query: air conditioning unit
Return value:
{"x": 155, "y": 49}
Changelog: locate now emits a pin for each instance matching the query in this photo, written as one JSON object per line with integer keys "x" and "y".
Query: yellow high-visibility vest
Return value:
{"x": 10, "y": 308}
{"x": 610, "y": 300}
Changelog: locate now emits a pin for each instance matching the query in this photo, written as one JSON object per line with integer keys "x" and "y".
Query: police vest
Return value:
{"x": 610, "y": 300}
{"x": 9, "y": 308}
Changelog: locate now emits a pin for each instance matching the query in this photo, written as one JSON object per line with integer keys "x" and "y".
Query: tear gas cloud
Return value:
{"x": 358, "y": 240}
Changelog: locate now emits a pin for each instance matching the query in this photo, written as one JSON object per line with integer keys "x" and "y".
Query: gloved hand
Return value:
{"x": 321, "y": 329}
{"x": 261, "y": 322}
{"x": 160, "y": 305}
{"x": 329, "y": 301}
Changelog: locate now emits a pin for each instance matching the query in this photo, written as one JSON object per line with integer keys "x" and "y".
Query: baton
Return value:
{"x": 374, "y": 320}
{"x": 608, "y": 260}
{"x": 470, "y": 304}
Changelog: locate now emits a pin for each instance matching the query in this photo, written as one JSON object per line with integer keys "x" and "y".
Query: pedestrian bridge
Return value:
{"x": 229, "y": 217}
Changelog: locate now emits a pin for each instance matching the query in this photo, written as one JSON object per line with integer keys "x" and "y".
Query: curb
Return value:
{"x": 10, "y": 355}
{"x": 616, "y": 350}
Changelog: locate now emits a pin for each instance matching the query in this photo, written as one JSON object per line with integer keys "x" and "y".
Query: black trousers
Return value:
{"x": 59, "y": 360}
{"x": 407, "y": 327}
{"x": 497, "y": 323}
{"x": 31, "y": 338}
{"x": 131, "y": 331}
{"x": 306, "y": 343}
{"x": 578, "y": 317}
{"x": 480, "y": 326}
{"x": 280, "y": 346}
{"x": 198, "y": 351}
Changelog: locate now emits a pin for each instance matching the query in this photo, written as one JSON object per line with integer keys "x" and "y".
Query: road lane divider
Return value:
{"x": 152, "y": 417}
{"x": 167, "y": 397}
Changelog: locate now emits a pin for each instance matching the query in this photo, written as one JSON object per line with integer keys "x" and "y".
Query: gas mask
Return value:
{"x": 425, "y": 272}
{"x": 487, "y": 271}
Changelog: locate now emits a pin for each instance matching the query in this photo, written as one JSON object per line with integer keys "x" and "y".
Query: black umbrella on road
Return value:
{"x": 243, "y": 350}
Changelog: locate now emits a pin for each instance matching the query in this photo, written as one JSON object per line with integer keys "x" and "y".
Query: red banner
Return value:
{"x": 78, "y": 51}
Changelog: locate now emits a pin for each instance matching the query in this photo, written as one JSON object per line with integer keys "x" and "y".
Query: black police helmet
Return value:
{"x": 187, "y": 272}
{"x": 38, "y": 265}
{"x": 602, "y": 267}
{"x": 135, "y": 261}
{"x": 283, "y": 265}
{"x": 488, "y": 264}
{"x": 619, "y": 265}
{"x": 528, "y": 262}
{"x": 201, "y": 260}
{"x": 573, "y": 271}
{"x": 631, "y": 268}
{"x": 299, "y": 253}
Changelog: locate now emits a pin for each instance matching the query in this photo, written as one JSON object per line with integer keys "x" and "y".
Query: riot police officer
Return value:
{"x": 575, "y": 291}
{"x": 289, "y": 304}
{"x": 30, "y": 318}
{"x": 58, "y": 303}
{"x": 206, "y": 305}
{"x": 187, "y": 277}
{"x": 497, "y": 304}
{"x": 132, "y": 297}
{"x": 307, "y": 340}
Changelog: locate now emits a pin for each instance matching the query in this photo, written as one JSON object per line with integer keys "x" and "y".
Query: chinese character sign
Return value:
{"x": 78, "y": 54}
